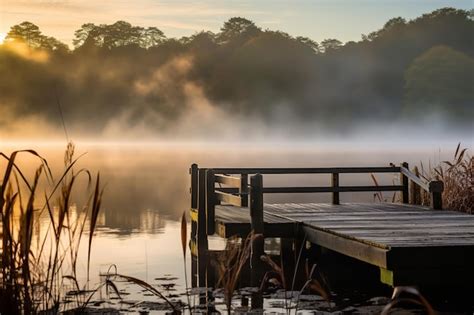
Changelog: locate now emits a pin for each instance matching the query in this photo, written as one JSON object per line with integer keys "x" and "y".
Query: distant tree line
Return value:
{"x": 405, "y": 71}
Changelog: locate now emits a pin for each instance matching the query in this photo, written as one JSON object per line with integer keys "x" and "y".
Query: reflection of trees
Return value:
{"x": 132, "y": 221}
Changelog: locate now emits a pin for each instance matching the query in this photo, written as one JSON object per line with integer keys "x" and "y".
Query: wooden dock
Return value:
{"x": 409, "y": 243}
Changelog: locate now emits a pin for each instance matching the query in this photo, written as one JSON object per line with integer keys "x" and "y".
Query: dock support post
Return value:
{"x": 193, "y": 171}
{"x": 404, "y": 183}
{"x": 258, "y": 241}
{"x": 202, "y": 243}
{"x": 335, "y": 184}
{"x": 287, "y": 255}
{"x": 436, "y": 190}
{"x": 193, "y": 190}
{"x": 243, "y": 190}
{"x": 211, "y": 201}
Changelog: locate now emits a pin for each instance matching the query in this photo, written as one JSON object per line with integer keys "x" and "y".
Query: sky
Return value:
{"x": 317, "y": 19}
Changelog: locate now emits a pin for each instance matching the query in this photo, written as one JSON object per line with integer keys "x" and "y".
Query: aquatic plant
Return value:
{"x": 458, "y": 178}
{"x": 230, "y": 264}
{"x": 33, "y": 276}
{"x": 278, "y": 274}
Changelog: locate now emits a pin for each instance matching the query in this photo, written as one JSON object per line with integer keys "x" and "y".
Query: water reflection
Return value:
{"x": 145, "y": 184}
{"x": 147, "y": 190}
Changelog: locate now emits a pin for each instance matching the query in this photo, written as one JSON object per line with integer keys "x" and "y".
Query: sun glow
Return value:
{"x": 2, "y": 37}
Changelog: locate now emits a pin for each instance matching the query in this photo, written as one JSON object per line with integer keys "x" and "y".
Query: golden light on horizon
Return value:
{"x": 3, "y": 35}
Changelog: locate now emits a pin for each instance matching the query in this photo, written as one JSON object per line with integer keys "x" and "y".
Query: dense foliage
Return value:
{"x": 407, "y": 70}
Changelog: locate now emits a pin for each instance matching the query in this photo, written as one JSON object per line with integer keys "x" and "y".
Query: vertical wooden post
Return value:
{"x": 211, "y": 201}
{"x": 287, "y": 255}
{"x": 300, "y": 246}
{"x": 193, "y": 171}
{"x": 404, "y": 183}
{"x": 202, "y": 244}
{"x": 243, "y": 190}
{"x": 258, "y": 242}
{"x": 436, "y": 190}
{"x": 415, "y": 190}
{"x": 335, "y": 184}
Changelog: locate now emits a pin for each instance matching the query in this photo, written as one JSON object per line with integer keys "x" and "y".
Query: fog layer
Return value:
{"x": 122, "y": 81}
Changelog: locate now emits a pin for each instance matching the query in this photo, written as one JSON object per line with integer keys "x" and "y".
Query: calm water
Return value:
{"x": 147, "y": 190}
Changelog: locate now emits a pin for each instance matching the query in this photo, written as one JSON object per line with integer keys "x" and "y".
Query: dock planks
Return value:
{"x": 387, "y": 235}
{"x": 405, "y": 241}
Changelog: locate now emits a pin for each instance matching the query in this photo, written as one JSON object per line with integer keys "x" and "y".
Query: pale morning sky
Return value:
{"x": 318, "y": 19}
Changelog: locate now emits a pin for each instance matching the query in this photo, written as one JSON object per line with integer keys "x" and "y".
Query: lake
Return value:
{"x": 147, "y": 191}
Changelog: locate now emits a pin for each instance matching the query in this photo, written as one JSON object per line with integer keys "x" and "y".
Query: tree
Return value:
{"x": 331, "y": 44}
{"x": 440, "y": 80}
{"x": 52, "y": 43}
{"x": 30, "y": 34}
{"x": 26, "y": 32}
{"x": 119, "y": 34}
{"x": 88, "y": 34}
{"x": 309, "y": 43}
{"x": 237, "y": 27}
{"x": 392, "y": 25}
{"x": 151, "y": 37}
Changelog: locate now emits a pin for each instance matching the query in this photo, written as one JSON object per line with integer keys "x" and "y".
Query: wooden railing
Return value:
{"x": 233, "y": 187}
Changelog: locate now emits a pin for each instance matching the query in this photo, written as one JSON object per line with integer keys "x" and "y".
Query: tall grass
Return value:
{"x": 33, "y": 277}
{"x": 230, "y": 264}
{"x": 458, "y": 178}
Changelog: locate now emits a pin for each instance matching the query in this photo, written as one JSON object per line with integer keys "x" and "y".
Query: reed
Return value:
{"x": 184, "y": 241}
{"x": 278, "y": 274}
{"x": 33, "y": 276}
{"x": 458, "y": 178}
{"x": 230, "y": 264}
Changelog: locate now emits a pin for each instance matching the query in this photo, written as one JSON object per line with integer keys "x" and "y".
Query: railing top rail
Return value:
{"x": 298, "y": 170}
{"x": 414, "y": 178}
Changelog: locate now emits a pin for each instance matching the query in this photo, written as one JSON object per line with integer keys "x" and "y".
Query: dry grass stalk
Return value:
{"x": 458, "y": 178}
{"x": 312, "y": 284}
{"x": 230, "y": 264}
{"x": 184, "y": 241}
{"x": 32, "y": 277}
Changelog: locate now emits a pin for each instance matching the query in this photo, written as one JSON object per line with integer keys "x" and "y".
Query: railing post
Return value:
{"x": 193, "y": 190}
{"x": 243, "y": 190}
{"x": 193, "y": 171}
{"x": 258, "y": 241}
{"x": 202, "y": 243}
{"x": 335, "y": 184}
{"x": 211, "y": 201}
{"x": 404, "y": 183}
{"x": 415, "y": 190}
{"x": 436, "y": 190}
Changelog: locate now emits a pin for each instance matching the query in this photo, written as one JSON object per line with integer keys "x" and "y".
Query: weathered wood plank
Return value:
{"x": 228, "y": 180}
{"x": 228, "y": 198}
{"x": 369, "y": 253}
{"x": 287, "y": 190}
{"x": 386, "y": 235}
{"x": 319, "y": 170}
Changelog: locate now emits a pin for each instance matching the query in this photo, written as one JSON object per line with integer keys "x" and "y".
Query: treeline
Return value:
{"x": 408, "y": 70}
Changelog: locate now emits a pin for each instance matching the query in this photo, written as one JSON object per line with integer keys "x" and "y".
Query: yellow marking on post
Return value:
{"x": 194, "y": 248}
{"x": 194, "y": 214}
{"x": 221, "y": 230}
{"x": 386, "y": 276}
